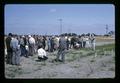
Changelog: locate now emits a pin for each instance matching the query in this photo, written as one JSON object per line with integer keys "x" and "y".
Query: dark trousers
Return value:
{"x": 61, "y": 53}
{"x": 80, "y": 44}
{"x": 52, "y": 47}
{"x": 26, "y": 53}
{"x": 84, "y": 43}
{"x": 16, "y": 57}
{"x": 42, "y": 59}
{"x": 49, "y": 47}
{"x": 22, "y": 50}
{"x": 67, "y": 46}
{"x": 31, "y": 49}
{"x": 9, "y": 57}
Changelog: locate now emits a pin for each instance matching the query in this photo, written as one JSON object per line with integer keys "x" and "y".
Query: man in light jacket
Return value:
{"x": 31, "y": 45}
{"x": 16, "y": 50}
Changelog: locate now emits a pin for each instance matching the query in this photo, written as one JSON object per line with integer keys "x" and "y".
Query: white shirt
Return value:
{"x": 77, "y": 45}
{"x": 69, "y": 39}
{"x": 84, "y": 39}
{"x": 41, "y": 52}
{"x": 6, "y": 51}
{"x": 32, "y": 40}
{"x": 66, "y": 37}
{"x": 26, "y": 47}
{"x": 58, "y": 39}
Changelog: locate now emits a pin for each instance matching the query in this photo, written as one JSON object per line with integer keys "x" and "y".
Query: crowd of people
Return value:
{"x": 30, "y": 45}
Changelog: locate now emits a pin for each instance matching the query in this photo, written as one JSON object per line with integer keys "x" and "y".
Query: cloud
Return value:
{"x": 52, "y": 10}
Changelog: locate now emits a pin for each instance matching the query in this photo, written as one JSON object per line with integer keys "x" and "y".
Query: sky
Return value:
{"x": 44, "y": 18}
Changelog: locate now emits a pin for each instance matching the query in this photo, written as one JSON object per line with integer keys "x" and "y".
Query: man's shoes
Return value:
{"x": 18, "y": 64}
{"x": 27, "y": 56}
{"x": 56, "y": 60}
{"x": 60, "y": 60}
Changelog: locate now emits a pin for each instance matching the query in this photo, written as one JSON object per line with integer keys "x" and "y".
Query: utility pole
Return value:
{"x": 106, "y": 29}
{"x": 60, "y": 25}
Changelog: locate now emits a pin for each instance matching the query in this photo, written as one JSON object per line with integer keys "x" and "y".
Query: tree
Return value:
{"x": 83, "y": 34}
{"x": 74, "y": 34}
{"x": 111, "y": 33}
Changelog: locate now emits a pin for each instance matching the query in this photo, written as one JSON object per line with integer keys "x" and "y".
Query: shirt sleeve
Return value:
{"x": 45, "y": 53}
{"x": 11, "y": 43}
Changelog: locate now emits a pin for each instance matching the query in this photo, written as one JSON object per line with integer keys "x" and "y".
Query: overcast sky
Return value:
{"x": 43, "y": 18}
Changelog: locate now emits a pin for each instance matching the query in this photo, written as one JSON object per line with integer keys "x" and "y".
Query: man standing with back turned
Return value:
{"x": 61, "y": 49}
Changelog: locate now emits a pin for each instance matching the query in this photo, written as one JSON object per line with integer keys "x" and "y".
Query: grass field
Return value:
{"x": 82, "y": 63}
{"x": 104, "y": 39}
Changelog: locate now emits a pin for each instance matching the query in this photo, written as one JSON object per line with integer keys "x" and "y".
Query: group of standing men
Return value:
{"x": 28, "y": 45}
{"x": 13, "y": 49}
{"x": 17, "y": 47}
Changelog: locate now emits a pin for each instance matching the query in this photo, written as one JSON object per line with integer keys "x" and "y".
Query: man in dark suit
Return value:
{"x": 52, "y": 44}
{"x": 61, "y": 49}
{"x": 9, "y": 49}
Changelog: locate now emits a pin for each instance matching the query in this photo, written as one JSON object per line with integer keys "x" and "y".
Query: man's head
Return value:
{"x": 10, "y": 34}
{"x": 92, "y": 35}
{"x": 40, "y": 46}
{"x": 14, "y": 35}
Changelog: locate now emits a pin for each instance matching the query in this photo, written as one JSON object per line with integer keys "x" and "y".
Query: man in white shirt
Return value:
{"x": 31, "y": 40}
{"x": 87, "y": 42}
{"x": 31, "y": 45}
{"x": 93, "y": 42}
{"x": 41, "y": 53}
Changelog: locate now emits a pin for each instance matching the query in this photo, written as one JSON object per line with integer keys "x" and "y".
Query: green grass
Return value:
{"x": 106, "y": 47}
{"x": 100, "y": 50}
